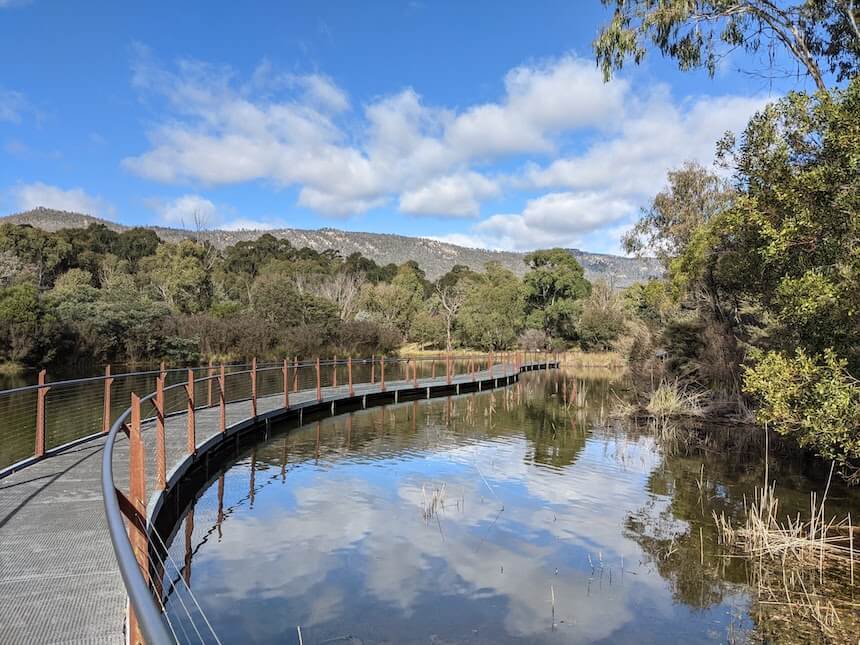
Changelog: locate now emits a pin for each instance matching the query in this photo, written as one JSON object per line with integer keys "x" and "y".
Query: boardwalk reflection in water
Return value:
{"x": 501, "y": 517}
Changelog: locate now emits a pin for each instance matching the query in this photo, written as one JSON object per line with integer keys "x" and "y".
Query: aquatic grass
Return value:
{"x": 800, "y": 566}
{"x": 671, "y": 399}
{"x": 432, "y": 503}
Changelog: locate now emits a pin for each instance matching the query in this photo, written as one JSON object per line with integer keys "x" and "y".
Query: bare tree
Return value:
{"x": 344, "y": 290}
{"x": 450, "y": 298}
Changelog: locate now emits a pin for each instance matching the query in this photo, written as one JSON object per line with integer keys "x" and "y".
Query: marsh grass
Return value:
{"x": 799, "y": 567}
{"x": 433, "y": 503}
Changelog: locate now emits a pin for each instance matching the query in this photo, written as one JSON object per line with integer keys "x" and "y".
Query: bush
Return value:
{"x": 533, "y": 340}
{"x": 811, "y": 398}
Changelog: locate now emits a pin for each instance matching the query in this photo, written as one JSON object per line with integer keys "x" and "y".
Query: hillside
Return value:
{"x": 433, "y": 256}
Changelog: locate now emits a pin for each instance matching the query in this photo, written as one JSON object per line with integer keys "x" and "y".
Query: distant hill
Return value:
{"x": 433, "y": 256}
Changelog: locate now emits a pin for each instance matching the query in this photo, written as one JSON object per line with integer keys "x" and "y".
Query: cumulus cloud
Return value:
{"x": 554, "y": 219}
{"x": 587, "y": 153}
{"x": 37, "y": 194}
{"x": 453, "y": 195}
{"x": 188, "y": 210}
{"x": 285, "y": 129}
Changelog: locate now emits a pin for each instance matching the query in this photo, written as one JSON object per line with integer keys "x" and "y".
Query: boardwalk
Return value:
{"x": 58, "y": 579}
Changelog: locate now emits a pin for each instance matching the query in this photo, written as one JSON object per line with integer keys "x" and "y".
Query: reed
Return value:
{"x": 800, "y": 567}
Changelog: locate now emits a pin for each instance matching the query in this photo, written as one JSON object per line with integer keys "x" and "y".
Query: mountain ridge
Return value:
{"x": 435, "y": 257}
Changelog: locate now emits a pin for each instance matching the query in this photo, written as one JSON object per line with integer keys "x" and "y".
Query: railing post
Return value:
{"x": 296, "y": 374}
{"x": 191, "y": 442}
{"x": 286, "y": 383}
{"x": 372, "y": 369}
{"x": 222, "y": 399}
{"x": 472, "y": 367}
{"x": 137, "y": 492}
{"x": 106, "y": 407}
{"x": 414, "y": 372}
{"x": 334, "y": 372}
{"x": 450, "y": 368}
{"x": 382, "y": 372}
{"x": 490, "y": 364}
{"x": 319, "y": 389}
{"x": 349, "y": 375}
{"x": 253, "y": 387}
{"x": 433, "y": 368}
{"x": 210, "y": 373}
{"x": 41, "y": 394}
{"x": 160, "y": 450}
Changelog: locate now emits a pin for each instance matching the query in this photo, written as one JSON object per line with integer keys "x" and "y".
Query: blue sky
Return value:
{"x": 481, "y": 123}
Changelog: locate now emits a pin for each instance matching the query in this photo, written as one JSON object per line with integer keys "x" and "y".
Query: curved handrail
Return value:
{"x": 148, "y": 614}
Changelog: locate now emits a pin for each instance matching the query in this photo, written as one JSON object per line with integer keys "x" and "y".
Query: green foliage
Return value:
{"x": 552, "y": 286}
{"x": 811, "y": 397}
{"x": 180, "y": 276}
{"x": 493, "y": 312}
{"x": 602, "y": 319}
{"x": 819, "y": 35}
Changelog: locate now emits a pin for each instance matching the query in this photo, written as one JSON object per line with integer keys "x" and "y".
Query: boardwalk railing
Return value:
{"x": 226, "y": 399}
{"x": 49, "y": 417}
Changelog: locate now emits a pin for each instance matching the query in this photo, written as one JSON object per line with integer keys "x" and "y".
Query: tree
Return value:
{"x": 396, "y": 304}
{"x": 602, "y": 319}
{"x": 180, "y": 276}
{"x": 20, "y": 312}
{"x": 492, "y": 314}
{"x": 819, "y": 35}
{"x": 136, "y": 243}
{"x": 553, "y": 284}
{"x": 47, "y": 253}
{"x": 449, "y": 300}
{"x": 694, "y": 196}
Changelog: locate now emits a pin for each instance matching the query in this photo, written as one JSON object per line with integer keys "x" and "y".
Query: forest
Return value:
{"x": 94, "y": 295}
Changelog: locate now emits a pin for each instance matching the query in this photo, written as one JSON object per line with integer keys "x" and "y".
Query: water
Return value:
{"x": 499, "y": 517}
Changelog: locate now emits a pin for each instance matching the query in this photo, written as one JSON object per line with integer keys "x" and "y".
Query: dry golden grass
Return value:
{"x": 800, "y": 568}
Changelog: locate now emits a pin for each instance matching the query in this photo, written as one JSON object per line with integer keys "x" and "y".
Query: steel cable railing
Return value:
{"x": 241, "y": 392}
{"x": 43, "y": 419}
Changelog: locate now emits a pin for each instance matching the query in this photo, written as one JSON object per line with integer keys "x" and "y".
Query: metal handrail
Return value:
{"x": 146, "y": 611}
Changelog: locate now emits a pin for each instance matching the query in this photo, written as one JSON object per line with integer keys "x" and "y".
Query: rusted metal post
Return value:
{"x": 449, "y": 368}
{"x": 372, "y": 369}
{"x": 253, "y": 387}
{"x": 334, "y": 372}
{"x": 382, "y": 372}
{"x": 160, "y": 451}
{"x": 414, "y": 372}
{"x": 41, "y": 394}
{"x": 137, "y": 492}
{"x": 490, "y": 364}
{"x": 222, "y": 399}
{"x": 210, "y": 373}
{"x": 472, "y": 366}
{"x": 191, "y": 443}
{"x": 319, "y": 388}
{"x": 106, "y": 407}
{"x": 349, "y": 375}
{"x": 286, "y": 383}
{"x": 433, "y": 367}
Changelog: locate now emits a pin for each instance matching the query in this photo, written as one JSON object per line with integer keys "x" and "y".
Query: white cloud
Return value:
{"x": 188, "y": 210}
{"x": 12, "y": 105}
{"x": 452, "y": 196}
{"x": 283, "y": 129}
{"x": 37, "y": 194}
{"x": 597, "y": 150}
{"x": 653, "y": 139}
{"x": 554, "y": 219}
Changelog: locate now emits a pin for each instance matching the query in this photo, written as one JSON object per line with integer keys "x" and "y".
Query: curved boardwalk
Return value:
{"x": 58, "y": 579}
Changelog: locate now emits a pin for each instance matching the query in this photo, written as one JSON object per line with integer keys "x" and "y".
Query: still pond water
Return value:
{"x": 502, "y": 517}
